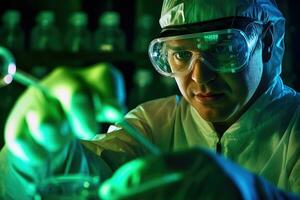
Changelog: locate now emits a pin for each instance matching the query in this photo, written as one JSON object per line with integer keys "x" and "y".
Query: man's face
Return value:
{"x": 221, "y": 97}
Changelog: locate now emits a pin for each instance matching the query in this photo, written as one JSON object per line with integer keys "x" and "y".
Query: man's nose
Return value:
{"x": 201, "y": 74}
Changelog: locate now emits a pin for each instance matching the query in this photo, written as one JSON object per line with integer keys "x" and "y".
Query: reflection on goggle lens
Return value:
{"x": 222, "y": 51}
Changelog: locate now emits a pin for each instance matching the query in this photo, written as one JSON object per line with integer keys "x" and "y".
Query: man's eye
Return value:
{"x": 183, "y": 55}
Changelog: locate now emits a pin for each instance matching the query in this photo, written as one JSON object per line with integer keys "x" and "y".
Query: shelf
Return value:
{"x": 52, "y": 59}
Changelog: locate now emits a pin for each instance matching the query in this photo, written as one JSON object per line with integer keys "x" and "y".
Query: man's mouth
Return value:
{"x": 209, "y": 97}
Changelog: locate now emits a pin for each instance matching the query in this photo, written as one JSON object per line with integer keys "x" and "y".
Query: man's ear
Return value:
{"x": 268, "y": 42}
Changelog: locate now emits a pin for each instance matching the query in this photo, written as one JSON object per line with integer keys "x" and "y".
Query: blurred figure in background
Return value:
{"x": 147, "y": 86}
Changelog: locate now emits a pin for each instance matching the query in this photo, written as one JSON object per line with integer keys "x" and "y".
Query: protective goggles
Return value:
{"x": 226, "y": 50}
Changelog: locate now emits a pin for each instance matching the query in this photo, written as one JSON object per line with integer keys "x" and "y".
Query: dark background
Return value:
{"x": 130, "y": 61}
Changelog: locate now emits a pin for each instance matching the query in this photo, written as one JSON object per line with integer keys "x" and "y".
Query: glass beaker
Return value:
{"x": 68, "y": 187}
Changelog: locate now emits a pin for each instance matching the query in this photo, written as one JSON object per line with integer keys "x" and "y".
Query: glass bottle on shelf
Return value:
{"x": 143, "y": 33}
{"x": 142, "y": 90}
{"x": 45, "y": 35}
{"x": 78, "y": 37}
{"x": 109, "y": 36}
{"x": 11, "y": 33}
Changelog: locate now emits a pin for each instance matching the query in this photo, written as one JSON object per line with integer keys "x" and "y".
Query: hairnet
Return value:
{"x": 180, "y": 12}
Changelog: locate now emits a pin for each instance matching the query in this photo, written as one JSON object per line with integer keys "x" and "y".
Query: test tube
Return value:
{"x": 9, "y": 71}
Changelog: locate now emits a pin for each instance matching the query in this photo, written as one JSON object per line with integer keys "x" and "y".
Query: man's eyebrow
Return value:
{"x": 174, "y": 47}
{"x": 181, "y": 47}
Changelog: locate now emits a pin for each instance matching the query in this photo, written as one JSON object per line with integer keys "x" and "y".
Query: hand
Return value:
{"x": 191, "y": 174}
{"x": 42, "y": 125}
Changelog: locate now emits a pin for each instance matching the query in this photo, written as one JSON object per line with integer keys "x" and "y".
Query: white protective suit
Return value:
{"x": 265, "y": 140}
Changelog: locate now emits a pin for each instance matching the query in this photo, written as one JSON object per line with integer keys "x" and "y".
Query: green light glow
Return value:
{"x": 106, "y": 47}
{"x": 15, "y": 146}
{"x": 34, "y": 122}
{"x": 19, "y": 150}
{"x": 109, "y": 114}
{"x": 43, "y": 133}
{"x": 211, "y": 38}
{"x": 63, "y": 94}
{"x": 128, "y": 180}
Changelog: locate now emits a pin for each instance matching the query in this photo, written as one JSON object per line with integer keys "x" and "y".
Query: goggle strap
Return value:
{"x": 225, "y": 23}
